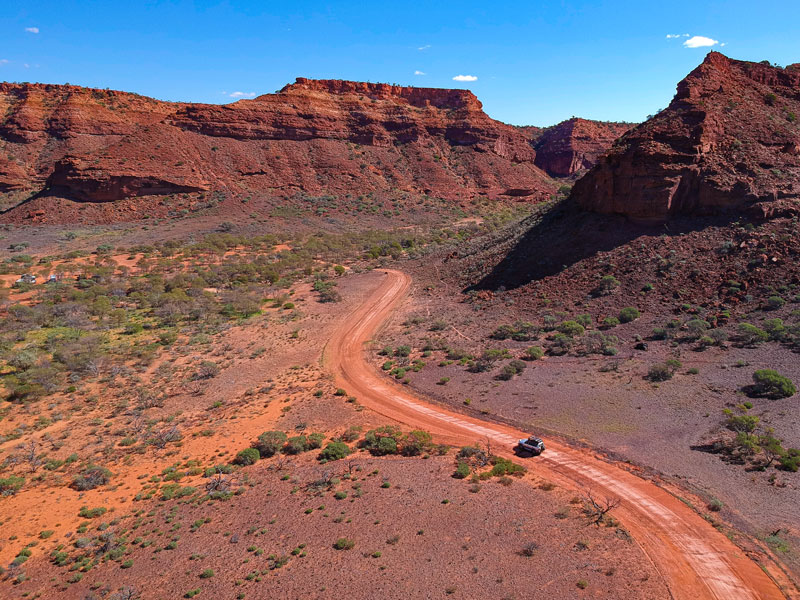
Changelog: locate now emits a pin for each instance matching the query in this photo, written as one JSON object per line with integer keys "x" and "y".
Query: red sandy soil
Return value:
{"x": 468, "y": 548}
{"x": 696, "y": 560}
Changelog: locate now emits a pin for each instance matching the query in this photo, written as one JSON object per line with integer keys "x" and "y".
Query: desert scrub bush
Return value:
{"x": 571, "y": 328}
{"x": 248, "y": 456}
{"x": 561, "y": 344}
{"x": 628, "y": 314}
{"x": 382, "y": 440}
{"x": 610, "y": 322}
{"x": 11, "y": 485}
{"x": 91, "y": 477}
{"x": 314, "y": 440}
{"x": 608, "y": 283}
{"x": 296, "y": 445}
{"x": 92, "y": 513}
{"x": 790, "y": 460}
{"x": 462, "y": 470}
{"x": 770, "y": 384}
{"x": 533, "y": 353}
{"x": 776, "y": 329}
{"x": 334, "y": 451}
{"x": 750, "y": 336}
{"x": 597, "y": 342}
{"x": 515, "y": 367}
{"x": 206, "y": 370}
{"x": 269, "y": 443}
{"x": 344, "y": 544}
{"x": 663, "y": 371}
{"x": 696, "y": 328}
{"x": 503, "y": 466}
{"x": 774, "y": 303}
{"x": 416, "y": 442}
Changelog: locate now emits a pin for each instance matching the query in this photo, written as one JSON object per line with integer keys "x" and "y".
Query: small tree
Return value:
{"x": 597, "y": 508}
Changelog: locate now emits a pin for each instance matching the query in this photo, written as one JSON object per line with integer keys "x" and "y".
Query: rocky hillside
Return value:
{"x": 575, "y": 145}
{"x": 729, "y": 140}
{"x": 312, "y": 137}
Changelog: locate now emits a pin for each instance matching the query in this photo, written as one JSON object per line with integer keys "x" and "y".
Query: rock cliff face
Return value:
{"x": 575, "y": 145}
{"x": 729, "y": 141}
{"x": 312, "y": 137}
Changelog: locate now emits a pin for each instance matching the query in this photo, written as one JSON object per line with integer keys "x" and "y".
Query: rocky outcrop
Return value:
{"x": 727, "y": 142}
{"x": 575, "y": 145}
{"x": 312, "y": 137}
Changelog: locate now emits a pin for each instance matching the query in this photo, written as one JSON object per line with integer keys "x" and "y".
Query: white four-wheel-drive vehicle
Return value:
{"x": 532, "y": 445}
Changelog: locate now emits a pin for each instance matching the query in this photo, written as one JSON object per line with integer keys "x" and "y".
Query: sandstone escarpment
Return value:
{"x": 727, "y": 142}
{"x": 312, "y": 137}
{"x": 575, "y": 145}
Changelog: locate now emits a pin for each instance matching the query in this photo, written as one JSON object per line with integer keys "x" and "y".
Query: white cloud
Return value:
{"x": 425, "y": 47}
{"x": 672, "y": 36}
{"x": 32, "y": 29}
{"x": 418, "y": 73}
{"x": 699, "y": 41}
{"x": 242, "y": 94}
{"x": 4, "y": 61}
{"x": 465, "y": 78}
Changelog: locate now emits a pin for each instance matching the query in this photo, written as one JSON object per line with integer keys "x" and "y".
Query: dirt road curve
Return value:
{"x": 697, "y": 561}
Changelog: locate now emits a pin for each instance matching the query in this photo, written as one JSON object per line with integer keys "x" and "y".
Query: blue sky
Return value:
{"x": 534, "y": 62}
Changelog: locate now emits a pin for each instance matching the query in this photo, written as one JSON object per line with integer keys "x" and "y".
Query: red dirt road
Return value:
{"x": 697, "y": 561}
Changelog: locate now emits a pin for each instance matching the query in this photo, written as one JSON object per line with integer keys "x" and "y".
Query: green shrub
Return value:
{"x": 382, "y": 440}
{"x": 610, "y": 322}
{"x": 248, "y": 456}
{"x": 607, "y": 285}
{"x": 416, "y": 442}
{"x": 571, "y": 328}
{"x": 503, "y": 466}
{"x": 462, "y": 470}
{"x": 315, "y": 440}
{"x": 662, "y": 371}
{"x": 334, "y": 451}
{"x": 790, "y": 461}
{"x": 344, "y": 544}
{"x": 296, "y": 445}
{"x": 91, "y": 477}
{"x": 207, "y": 574}
{"x": 771, "y": 384}
{"x": 628, "y": 314}
{"x": 533, "y": 353}
{"x": 775, "y": 302}
{"x": 515, "y": 367}
{"x": 11, "y": 485}
{"x": 92, "y": 513}
{"x": 270, "y": 442}
{"x": 750, "y": 335}
{"x": 659, "y": 333}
